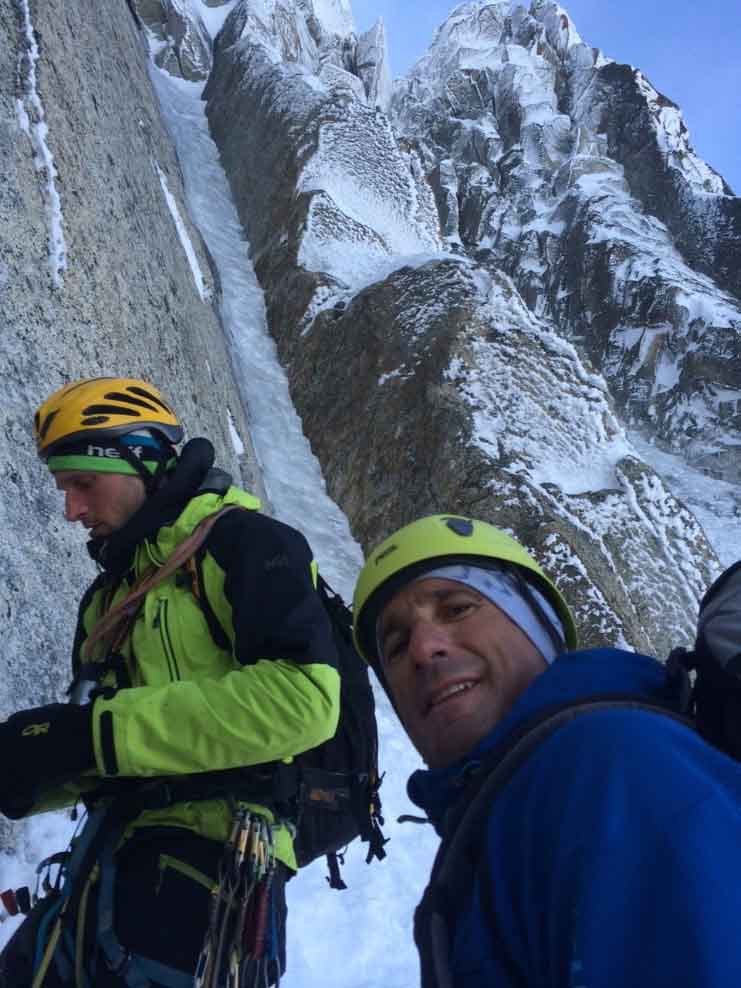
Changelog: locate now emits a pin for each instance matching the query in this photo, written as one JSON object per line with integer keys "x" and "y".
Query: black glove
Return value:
{"x": 40, "y": 747}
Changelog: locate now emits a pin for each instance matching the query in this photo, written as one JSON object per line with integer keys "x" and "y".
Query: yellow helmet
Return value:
{"x": 101, "y": 408}
{"x": 440, "y": 540}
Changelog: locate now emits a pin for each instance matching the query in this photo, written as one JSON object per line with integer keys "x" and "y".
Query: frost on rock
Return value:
{"x": 184, "y": 237}
{"x": 471, "y": 403}
{"x": 184, "y": 44}
{"x": 365, "y": 204}
{"x": 330, "y": 199}
{"x": 372, "y": 66}
{"x": 32, "y": 121}
{"x": 573, "y": 175}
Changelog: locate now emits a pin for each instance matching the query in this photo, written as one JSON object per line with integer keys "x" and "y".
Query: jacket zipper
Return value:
{"x": 160, "y": 621}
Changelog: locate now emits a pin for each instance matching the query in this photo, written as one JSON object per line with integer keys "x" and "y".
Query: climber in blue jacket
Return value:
{"x": 606, "y": 856}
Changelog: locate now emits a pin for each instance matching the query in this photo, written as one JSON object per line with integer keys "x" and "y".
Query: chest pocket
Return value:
{"x": 171, "y": 639}
{"x": 159, "y": 627}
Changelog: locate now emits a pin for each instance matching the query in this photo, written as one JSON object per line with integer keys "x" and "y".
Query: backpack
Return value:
{"x": 710, "y": 705}
{"x": 329, "y": 793}
{"x": 338, "y": 780}
{"x": 714, "y": 700}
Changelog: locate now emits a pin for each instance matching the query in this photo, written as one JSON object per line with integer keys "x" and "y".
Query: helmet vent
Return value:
{"x": 109, "y": 410}
{"x": 461, "y": 526}
{"x": 150, "y": 397}
{"x": 47, "y": 422}
{"x": 128, "y": 400}
{"x": 95, "y": 420}
{"x": 386, "y": 552}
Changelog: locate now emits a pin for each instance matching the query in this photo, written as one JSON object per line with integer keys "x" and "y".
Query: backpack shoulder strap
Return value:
{"x": 457, "y": 857}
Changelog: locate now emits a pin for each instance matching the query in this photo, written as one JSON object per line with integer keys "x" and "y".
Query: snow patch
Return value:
{"x": 236, "y": 439}
{"x": 335, "y": 16}
{"x": 213, "y": 18}
{"x": 32, "y": 121}
{"x": 400, "y": 373}
{"x": 186, "y": 242}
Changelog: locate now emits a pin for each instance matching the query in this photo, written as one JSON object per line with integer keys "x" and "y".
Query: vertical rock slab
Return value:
{"x": 372, "y": 65}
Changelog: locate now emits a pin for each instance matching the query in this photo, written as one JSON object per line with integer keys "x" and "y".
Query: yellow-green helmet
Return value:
{"x": 102, "y": 408}
{"x": 440, "y": 540}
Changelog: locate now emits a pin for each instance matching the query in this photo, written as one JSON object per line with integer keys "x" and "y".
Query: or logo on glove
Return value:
{"x": 34, "y": 730}
{"x": 41, "y": 748}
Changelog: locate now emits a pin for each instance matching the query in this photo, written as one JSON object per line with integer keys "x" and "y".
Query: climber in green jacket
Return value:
{"x": 202, "y": 658}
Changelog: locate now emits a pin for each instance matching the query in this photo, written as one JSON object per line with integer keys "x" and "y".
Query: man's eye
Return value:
{"x": 393, "y": 648}
{"x": 459, "y": 608}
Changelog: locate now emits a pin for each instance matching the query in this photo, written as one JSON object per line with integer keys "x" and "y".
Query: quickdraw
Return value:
{"x": 239, "y": 950}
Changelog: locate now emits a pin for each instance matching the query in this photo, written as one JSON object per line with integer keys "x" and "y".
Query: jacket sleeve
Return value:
{"x": 281, "y": 698}
{"x": 628, "y": 871}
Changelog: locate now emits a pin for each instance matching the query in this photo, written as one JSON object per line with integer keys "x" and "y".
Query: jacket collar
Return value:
{"x": 192, "y": 475}
{"x": 573, "y": 676}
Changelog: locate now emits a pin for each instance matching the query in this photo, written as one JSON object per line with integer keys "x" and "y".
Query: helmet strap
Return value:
{"x": 151, "y": 480}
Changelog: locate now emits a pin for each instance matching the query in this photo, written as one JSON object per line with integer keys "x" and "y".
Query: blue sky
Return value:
{"x": 688, "y": 50}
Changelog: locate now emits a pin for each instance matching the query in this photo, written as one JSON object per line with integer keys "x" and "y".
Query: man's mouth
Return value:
{"x": 448, "y": 692}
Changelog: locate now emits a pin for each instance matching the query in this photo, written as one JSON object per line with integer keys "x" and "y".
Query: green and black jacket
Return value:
{"x": 230, "y": 663}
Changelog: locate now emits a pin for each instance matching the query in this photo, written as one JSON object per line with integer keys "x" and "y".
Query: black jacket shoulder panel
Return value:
{"x": 268, "y": 583}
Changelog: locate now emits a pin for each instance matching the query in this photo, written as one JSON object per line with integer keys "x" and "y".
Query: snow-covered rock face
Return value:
{"x": 320, "y": 36}
{"x": 183, "y": 43}
{"x": 438, "y": 390}
{"x": 335, "y": 15}
{"x": 425, "y": 383}
{"x": 331, "y": 201}
{"x": 438, "y": 281}
{"x": 573, "y": 175}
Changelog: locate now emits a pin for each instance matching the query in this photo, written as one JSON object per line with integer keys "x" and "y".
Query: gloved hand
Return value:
{"x": 42, "y": 746}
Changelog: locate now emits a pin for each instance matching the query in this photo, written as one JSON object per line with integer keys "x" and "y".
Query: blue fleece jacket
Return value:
{"x": 612, "y": 859}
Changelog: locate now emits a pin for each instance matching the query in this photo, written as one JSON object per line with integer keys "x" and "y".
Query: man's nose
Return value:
{"x": 75, "y": 506}
{"x": 429, "y": 641}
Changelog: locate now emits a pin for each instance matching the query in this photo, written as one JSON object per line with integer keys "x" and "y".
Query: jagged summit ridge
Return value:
{"x": 576, "y": 177}
{"x": 319, "y": 35}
